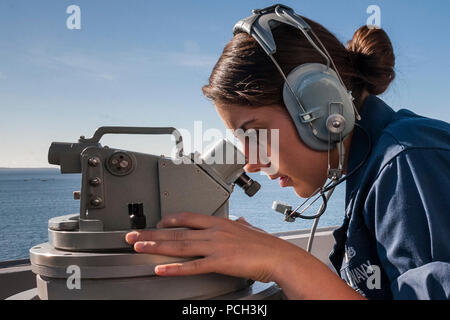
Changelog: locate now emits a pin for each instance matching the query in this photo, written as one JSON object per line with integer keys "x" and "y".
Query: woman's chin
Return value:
{"x": 303, "y": 192}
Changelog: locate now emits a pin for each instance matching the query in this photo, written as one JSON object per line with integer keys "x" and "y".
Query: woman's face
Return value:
{"x": 296, "y": 165}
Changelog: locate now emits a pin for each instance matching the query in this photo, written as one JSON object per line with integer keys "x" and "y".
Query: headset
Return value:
{"x": 314, "y": 95}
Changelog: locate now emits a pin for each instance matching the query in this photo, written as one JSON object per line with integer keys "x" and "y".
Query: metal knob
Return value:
{"x": 96, "y": 201}
{"x": 95, "y": 181}
{"x": 94, "y": 161}
{"x": 335, "y": 123}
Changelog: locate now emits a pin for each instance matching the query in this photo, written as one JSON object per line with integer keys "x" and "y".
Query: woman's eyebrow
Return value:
{"x": 243, "y": 125}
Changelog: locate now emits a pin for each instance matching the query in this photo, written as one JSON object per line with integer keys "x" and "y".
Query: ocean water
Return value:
{"x": 29, "y": 197}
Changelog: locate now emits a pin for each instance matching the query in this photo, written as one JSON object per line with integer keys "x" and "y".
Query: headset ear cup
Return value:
{"x": 321, "y": 94}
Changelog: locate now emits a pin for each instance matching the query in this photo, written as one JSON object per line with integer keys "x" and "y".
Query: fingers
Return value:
{"x": 189, "y": 219}
{"x": 185, "y": 248}
{"x": 198, "y": 266}
{"x": 242, "y": 220}
{"x": 167, "y": 234}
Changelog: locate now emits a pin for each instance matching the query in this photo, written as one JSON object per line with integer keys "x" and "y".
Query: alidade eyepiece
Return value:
{"x": 250, "y": 186}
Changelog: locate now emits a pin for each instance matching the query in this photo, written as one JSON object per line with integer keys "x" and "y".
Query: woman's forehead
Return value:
{"x": 234, "y": 115}
{"x": 237, "y": 116}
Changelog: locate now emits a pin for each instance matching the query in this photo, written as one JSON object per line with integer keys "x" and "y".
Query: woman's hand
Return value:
{"x": 228, "y": 247}
{"x": 238, "y": 249}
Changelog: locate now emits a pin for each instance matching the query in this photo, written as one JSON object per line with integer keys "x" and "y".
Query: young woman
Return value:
{"x": 397, "y": 209}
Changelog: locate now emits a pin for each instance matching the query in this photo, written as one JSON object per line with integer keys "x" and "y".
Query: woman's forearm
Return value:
{"x": 302, "y": 276}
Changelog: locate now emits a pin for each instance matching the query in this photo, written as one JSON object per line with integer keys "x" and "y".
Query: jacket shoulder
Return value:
{"x": 413, "y": 131}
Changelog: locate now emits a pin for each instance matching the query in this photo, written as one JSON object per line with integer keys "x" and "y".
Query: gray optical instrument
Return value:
{"x": 121, "y": 191}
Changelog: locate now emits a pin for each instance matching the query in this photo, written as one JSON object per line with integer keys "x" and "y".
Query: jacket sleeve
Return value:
{"x": 408, "y": 210}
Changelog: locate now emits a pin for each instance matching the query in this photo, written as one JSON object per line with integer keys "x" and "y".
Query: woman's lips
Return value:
{"x": 284, "y": 181}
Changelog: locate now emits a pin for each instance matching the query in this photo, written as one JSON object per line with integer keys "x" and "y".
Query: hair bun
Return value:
{"x": 373, "y": 58}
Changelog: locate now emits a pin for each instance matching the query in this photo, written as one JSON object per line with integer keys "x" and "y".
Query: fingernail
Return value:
{"x": 160, "y": 269}
{"x": 131, "y": 237}
{"x": 143, "y": 244}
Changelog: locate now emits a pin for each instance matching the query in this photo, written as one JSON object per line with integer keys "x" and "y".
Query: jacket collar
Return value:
{"x": 375, "y": 116}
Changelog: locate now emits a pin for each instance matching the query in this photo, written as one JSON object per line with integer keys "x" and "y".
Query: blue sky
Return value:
{"x": 143, "y": 63}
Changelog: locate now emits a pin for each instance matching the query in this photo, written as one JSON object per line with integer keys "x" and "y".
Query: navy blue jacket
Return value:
{"x": 395, "y": 239}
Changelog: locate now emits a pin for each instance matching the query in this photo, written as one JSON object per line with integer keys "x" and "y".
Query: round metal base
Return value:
{"x": 129, "y": 275}
{"x": 257, "y": 291}
{"x": 89, "y": 240}
{"x": 50, "y": 262}
{"x": 204, "y": 286}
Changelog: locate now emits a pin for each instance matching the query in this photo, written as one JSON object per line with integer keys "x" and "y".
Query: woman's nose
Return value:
{"x": 255, "y": 167}
{"x": 252, "y": 167}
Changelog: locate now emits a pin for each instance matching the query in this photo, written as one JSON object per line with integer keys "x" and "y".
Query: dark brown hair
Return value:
{"x": 245, "y": 75}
